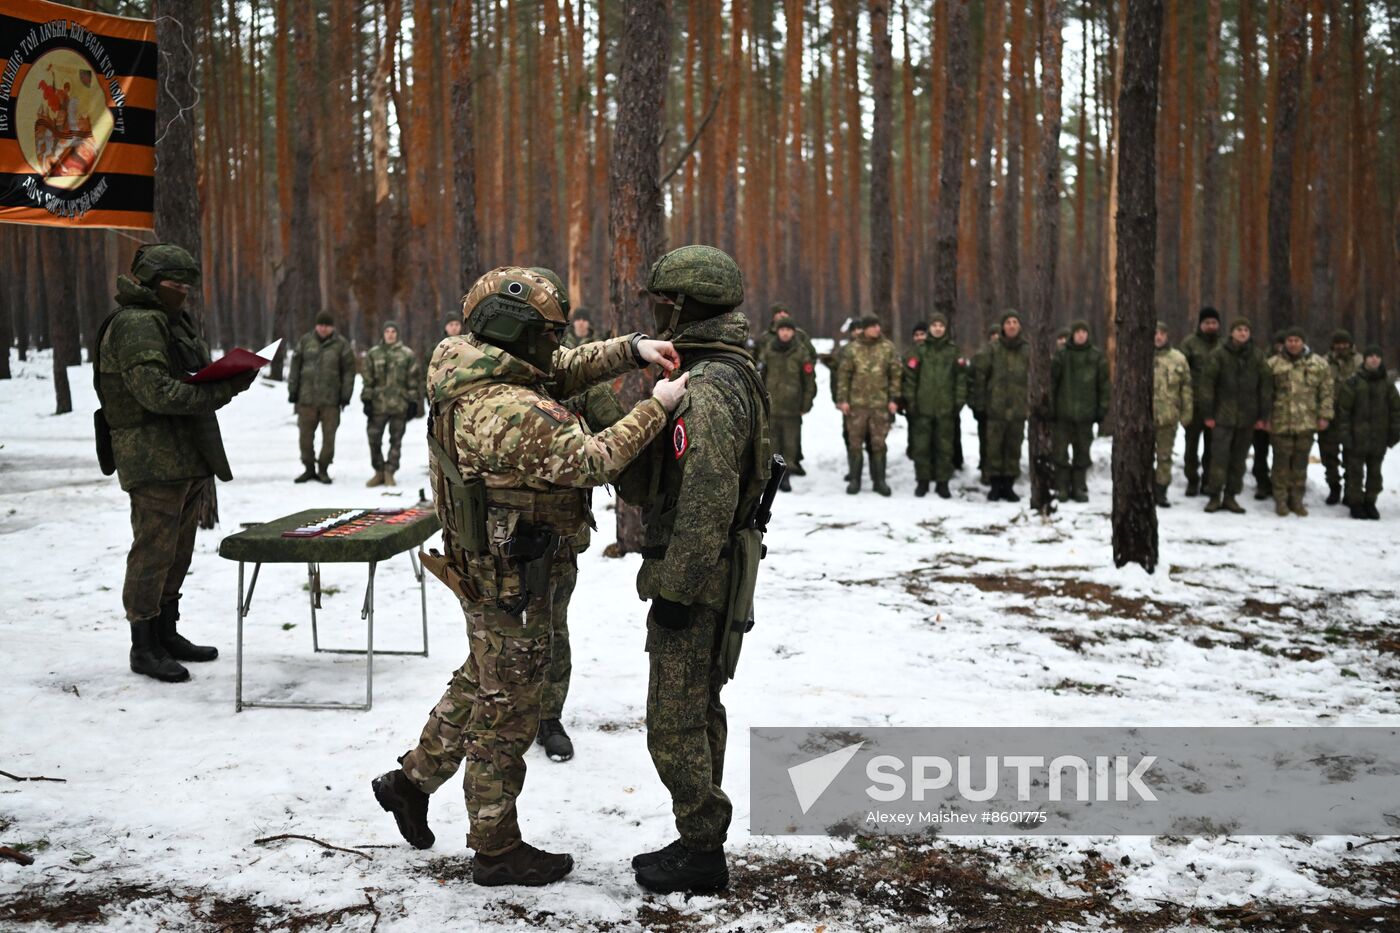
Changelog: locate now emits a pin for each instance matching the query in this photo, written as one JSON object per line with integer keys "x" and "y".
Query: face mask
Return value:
{"x": 171, "y": 299}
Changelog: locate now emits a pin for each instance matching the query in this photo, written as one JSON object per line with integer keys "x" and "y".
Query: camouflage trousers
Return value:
{"x": 1004, "y": 447}
{"x": 1230, "y": 450}
{"x": 308, "y": 418}
{"x": 931, "y": 448}
{"x": 164, "y": 517}
{"x": 687, "y": 728}
{"x": 785, "y": 432}
{"x": 1166, "y": 438}
{"x": 1363, "y": 476}
{"x": 490, "y": 712}
{"x": 864, "y": 424}
{"x": 1198, "y": 444}
{"x": 1070, "y": 473}
{"x": 1290, "y": 473}
{"x": 377, "y": 424}
{"x": 1329, "y": 446}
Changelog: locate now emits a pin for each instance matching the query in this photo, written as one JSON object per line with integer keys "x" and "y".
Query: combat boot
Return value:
{"x": 1008, "y": 489}
{"x": 1371, "y": 512}
{"x": 877, "y": 475}
{"x": 785, "y": 484}
{"x": 376, "y": 480}
{"x": 856, "y": 462}
{"x": 1280, "y": 508}
{"x": 409, "y": 805}
{"x": 1214, "y": 504}
{"x": 921, "y": 488}
{"x": 523, "y": 865}
{"x": 389, "y": 478}
{"x": 1334, "y": 493}
{"x": 1263, "y": 491}
{"x": 323, "y": 474}
{"x": 686, "y": 870}
{"x": 149, "y": 658}
{"x": 942, "y": 490}
{"x": 1193, "y": 487}
{"x": 1358, "y": 511}
{"x": 554, "y": 740}
{"x": 644, "y": 859}
{"x": 308, "y": 474}
{"x": 1232, "y": 506}
{"x": 796, "y": 470}
{"x": 1161, "y": 497}
{"x": 994, "y": 489}
{"x": 1081, "y": 487}
{"x": 176, "y": 645}
{"x": 1296, "y": 504}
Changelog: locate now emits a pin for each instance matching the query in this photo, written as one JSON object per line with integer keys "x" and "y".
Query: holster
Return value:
{"x": 531, "y": 550}
{"x": 440, "y": 566}
{"x": 745, "y": 552}
{"x": 102, "y": 431}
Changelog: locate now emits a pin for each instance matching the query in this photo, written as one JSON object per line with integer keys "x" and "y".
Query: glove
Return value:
{"x": 673, "y": 617}
{"x": 365, "y": 403}
{"x": 243, "y": 381}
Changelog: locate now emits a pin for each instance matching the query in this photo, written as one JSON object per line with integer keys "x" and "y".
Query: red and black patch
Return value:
{"x": 913, "y": 362}
{"x": 554, "y": 411}
{"x": 809, "y": 368}
{"x": 680, "y": 439}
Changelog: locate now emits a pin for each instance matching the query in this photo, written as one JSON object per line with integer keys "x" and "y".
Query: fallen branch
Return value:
{"x": 15, "y": 855}
{"x": 16, "y": 777}
{"x": 690, "y": 146}
{"x": 325, "y": 845}
{"x": 1362, "y": 845}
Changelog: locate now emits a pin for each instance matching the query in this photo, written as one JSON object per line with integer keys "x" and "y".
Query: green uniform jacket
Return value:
{"x": 935, "y": 379}
{"x": 1344, "y": 366}
{"x": 571, "y": 341}
{"x": 392, "y": 379}
{"x": 868, "y": 374}
{"x": 1236, "y": 387}
{"x": 163, "y": 430}
{"x": 322, "y": 371}
{"x": 1197, "y": 349}
{"x": 1000, "y": 384}
{"x": 1303, "y": 393}
{"x": 769, "y": 338}
{"x": 1172, "y": 398}
{"x": 790, "y": 373}
{"x": 1079, "y": 383}
{"x": 1368, "y": 410}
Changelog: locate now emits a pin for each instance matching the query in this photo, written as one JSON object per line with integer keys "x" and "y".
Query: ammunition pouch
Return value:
{"x": 102, "y": 431}
{"x": 746, "y": 550}
{"x": 442, "y": 567}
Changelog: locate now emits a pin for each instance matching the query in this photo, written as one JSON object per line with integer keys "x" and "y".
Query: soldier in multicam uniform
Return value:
{"x": 867, "y": 383}
{"x": 1303, "y": 402}
{"x": 320, "y": 383}
{"x": 934, "y": 390}
{"x": 1344, "y": 362}
{"x": 1196, "y": 348}
{"x": 509, "y": 466}
{"x": 1079, "y": 394}
{"x": 696, "y": 486}
{"x": 1236, "y": 390}
{"x": 391, "y": 392}
{"x": 164, "y": 445}
{"x": 999, "y": 394}
{"x": 1172, "y": 404}
{"x": 788, "y": 368}
{"x": 1369, "y": 411}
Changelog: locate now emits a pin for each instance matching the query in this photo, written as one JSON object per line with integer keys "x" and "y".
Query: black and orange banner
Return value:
{"x": 77, "y": 117}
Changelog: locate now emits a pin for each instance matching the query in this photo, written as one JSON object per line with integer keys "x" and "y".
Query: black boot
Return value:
{"x": 921, "y": 488}
{"x": 1334, "y": 493}
{"x": 642, "y": 860}
{"x": 1193, "y": 487}
{"x": 1080, "y": 484}
{"x": 785, "y": 484}
{"x": 994, "y": 489}
{"x": 943, "y": 491}
{"x": 686, "y": 870}
{"x": 323, "y": 474}
{"x": 1161, "y": 497}
{"x": 554, "y": 740}
{"x": 149, "y": 658}
{"x": 877, "y": 474}
{"x": 308, "y": 474}
{"x": 1008, "y": 489}
{"x": 1358, "y": 511}
{"x": 524, "y": 865}
{"x": 409, "y": 805}
{"x": 176, "y": 645}
{"x": 1371, "y": 512}
{"x": 856, "y": 462}
{"x": 796, "y": 470}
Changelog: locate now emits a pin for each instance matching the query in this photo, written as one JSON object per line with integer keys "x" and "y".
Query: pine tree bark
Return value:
{"x": 298, "y": 290}
{"x": 177, "y": 207}
{"x": 464, "y": 144}
{"x": 881, "y": 144}
{"x": 1290, "y": 63}
{"x": 1211, "y": 265}
{"x": 989, "y": 94}
{"x": 1134, "y": 512}
{"x": 954, "y": 131}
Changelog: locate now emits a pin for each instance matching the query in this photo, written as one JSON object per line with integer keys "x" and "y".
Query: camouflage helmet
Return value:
{"x": 701, "y": 272}
{"x": 515, "y": 308}
{"x": 558, "y": 284}
{"x": 157, "y": 261}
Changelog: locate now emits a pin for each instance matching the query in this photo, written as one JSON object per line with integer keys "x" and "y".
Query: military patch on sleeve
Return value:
{"x": 808, "y": 368}
{"x": 913, "y": 362}
{"x": 554, "y": 411}
{"x": 680, "y": 440}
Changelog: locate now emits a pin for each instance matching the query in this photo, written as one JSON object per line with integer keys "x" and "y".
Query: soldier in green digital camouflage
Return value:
{"x": 392, "y": 395}
{"x": 1197, "y": 348}
{"x": 1344, "y": 362}
{"x": 999, "y": 391}
{"x": 320, "y": 383}
{"x": 1368, "y": 409}
{"x": 161, "y": 436}
{"x": 452, "y": 326}
{"x": 1172, "y": 404}
{"x": 1302, "y": 403}
{"x": 980, "y": 361}
{"x": 580, "y": 330}
{"x": 789, "y": 371}
{"x": 934, "y": 388}
{"x": 867, "y": 384}
{"x": 1079, "y": 394}
{"x": 697, "y": 486}
{"x": 1236, "y": 392}
{"x": 780, "y": 314}
{"x": 509, "y": 465}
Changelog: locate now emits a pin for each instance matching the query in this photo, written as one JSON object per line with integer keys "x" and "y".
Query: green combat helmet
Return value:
{"x": 159, "y": 261}
{"x": 558, "y": 284}
{"x": 693, "y": 283}
{"x": 518, "y": 310}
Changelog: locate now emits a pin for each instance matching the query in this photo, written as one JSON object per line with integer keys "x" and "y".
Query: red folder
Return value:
{"x": 235, "y": 362}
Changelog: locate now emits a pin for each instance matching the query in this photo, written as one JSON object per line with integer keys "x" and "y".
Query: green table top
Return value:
{"x": 376, "y": 540}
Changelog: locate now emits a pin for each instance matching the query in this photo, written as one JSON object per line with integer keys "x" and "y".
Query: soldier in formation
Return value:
{"x": 867, "y": 383}
{"x": 1173, "y": 403}
{"x": 1368, "y": 412}
{"x": 509, "y": 464}
{"x": 392, "y": 396}
{"x": 1079, "y": 394}
{"x": 1344, "y": 362}
{"x": 1236, "y": 394}
{"x": 1197, "y": 348}
{"x": 580, "y": 330}
{"x": 998, "y": 396}
{"x": 452, "y": 326}
{"x": 320, "y": 383}
{"x": 1302, "y": 404}
{"x": 934, "y": 390}
{"x": 162, "y": 439}
{"x": 788, "y": 367}
{"x": 979, "y": 363}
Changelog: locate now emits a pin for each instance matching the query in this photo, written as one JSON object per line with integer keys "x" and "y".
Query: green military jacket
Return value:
{"x": 1001, "y": 380}
{"x": 1343, "y": 367}
{"x": 392, "y": 380}
{"x": 790, "y": 373}
{"x": 570, "y": 340}
{"x": 322, "y": 372}
{"x": 1303, "y": 393}
{"x": 935, "y": 379}
{"x": 868, "y": 373}
{"x": 1368, "y": 412}
{"x": 1197, "y": 349}
{"x": 1237, "y": 387}
{"x": 163, "y": 430}
{"x": 770, "y": 337}
{"x": 1079, "y": 383}
{"x": 1172, "y": 398}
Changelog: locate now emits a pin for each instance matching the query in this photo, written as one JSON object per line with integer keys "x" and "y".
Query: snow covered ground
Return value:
{"x": 871, "y": 611}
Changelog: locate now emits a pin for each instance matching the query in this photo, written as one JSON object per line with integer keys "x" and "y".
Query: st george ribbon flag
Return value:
{"x": 77, "y": 117}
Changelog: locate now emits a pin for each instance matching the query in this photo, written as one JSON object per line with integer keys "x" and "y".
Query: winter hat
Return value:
{"x": 778, "y": 309}
{"x": 1207, "y": 312}
{"x": 1291, "y": 332}
{"x": 1162, "y": 326}
{"x": 1374, "y": 349}
{"x": 1062, "y": 333}
{"x": 1241, "y": 322}
{"x": 938, "y": 318}
{"x": 1080, "y": 324}
{"x": 870, "y": 320}
{"x": 325, "y": 318}
{"x": 389, "y": 324}
{"x": 1341, "y": 336}
{"x": 920, "y": 326}
{"x": 1009, "y": 313}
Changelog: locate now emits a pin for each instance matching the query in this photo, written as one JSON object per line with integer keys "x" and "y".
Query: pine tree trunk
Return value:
{"x": 464, "y": 144}
{"x": 1211, "y": 265}
{"x": 954, "y": 132}
{"x": 989, "y": 94}
{"x": 177, "y": 213}
{"x": 1134, "y": 512}
{"x": 881, "y": 142}
{"x": 56, "y": 253}
{"x": 1290, "y": 63}
{"x": 298, "y": 289}
{"x": 9, "y": 294}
